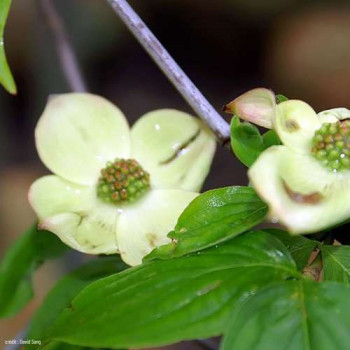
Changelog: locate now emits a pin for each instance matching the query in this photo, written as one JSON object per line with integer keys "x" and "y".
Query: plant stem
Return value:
{"x": 64, "y": 50}
{"x": 172, "y": 70}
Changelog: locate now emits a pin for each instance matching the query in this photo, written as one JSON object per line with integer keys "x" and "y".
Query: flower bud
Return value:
{"x": 257, "y": 106}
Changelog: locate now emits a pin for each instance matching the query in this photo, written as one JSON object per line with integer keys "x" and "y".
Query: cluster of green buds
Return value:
{"x": 122, "y": 181}
{"x": 331, "y": 145}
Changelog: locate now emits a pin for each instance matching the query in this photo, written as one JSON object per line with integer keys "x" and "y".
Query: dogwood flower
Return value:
{"x": 116, "y": 189}
{"x": 305, "y": 181}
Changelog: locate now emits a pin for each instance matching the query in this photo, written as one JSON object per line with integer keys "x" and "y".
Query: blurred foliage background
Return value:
{"x": 295, "y": 47}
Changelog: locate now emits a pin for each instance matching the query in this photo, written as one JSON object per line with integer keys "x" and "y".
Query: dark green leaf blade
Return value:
{"x": 336, "y": 263}
{"x": 66, "y": 289}
{"x": 270, "y": 138}
{"x": 281, "y": 98}
{"x": 162, "y": 302}
{"x": 211, "y": 218}
{"x": 18, "y": 265}
{"x": 246, "y": 141}
{"x": 299, "y": 246}
{"x": 292, "y": 315}
{"x": 6, "y": 78}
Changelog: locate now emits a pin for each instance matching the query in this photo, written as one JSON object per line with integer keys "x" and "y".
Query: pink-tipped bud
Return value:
{"x": 257, "y": 106}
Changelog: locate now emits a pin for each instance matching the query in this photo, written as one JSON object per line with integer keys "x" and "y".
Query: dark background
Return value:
{"x": 295, "y": 47}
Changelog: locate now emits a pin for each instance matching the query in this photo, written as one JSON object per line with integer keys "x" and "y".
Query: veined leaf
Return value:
{"x": 162, "y": 302}
{"x": 66, "y": 289}
{"x": 213, "y": 217}
{"x": 293, "y": 315}
{"x": 299, "y": 246}
{"x": 18, "y": 265}
{"x": 335, "y": 259}
{"x": 247, "y": 143}
{"x": 6, "y": 78}
{"x": 336, "y": 263}
{"x": 270, "y": 138}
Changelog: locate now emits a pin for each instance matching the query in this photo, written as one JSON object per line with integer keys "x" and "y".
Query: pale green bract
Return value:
{"x": 77, "y": 135}
{"x": 302, "y": 193}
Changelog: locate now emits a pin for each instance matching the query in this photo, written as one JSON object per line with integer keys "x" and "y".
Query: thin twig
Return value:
{"x": 172, "y": 70}
{"x": 65, "y": 52}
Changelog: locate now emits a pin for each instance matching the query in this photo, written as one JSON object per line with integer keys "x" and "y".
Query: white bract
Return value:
{"x": 116, "y": 189}
{"x": 305, "y": 181}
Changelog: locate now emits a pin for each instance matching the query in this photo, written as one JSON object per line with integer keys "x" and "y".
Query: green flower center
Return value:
{"x": 122, "y": 181}
{"x": 331, "y": 145}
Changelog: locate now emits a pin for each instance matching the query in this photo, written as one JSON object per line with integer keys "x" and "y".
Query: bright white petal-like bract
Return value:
{"x": 78, "y": 134}
{"x": 307, "y": 174}
{"x": 296, "y": 123}
{"x": 145, "y": 224}
{"x": 174, "y": 147}
{"x": 334, "y": 115}
{"x": 299, "y": 192}
{"x": 75, "y": 215}
{"x": 50, "y": 195}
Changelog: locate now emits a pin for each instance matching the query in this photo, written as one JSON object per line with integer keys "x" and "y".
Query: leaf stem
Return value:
{"x": 172, "y": 70}
{"x": 64, "y": 49}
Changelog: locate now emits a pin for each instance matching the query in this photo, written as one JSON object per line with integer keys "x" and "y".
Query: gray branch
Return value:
{"x": 172, "y": 70}
{"x": 64, "y": 50}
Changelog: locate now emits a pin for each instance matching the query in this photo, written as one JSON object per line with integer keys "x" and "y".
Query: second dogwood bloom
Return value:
{"x": 305, "y": 181}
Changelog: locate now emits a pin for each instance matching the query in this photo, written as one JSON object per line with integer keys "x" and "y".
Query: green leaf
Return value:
{"x": 335, "y": 259}
{"x": 299, "y": 246}
{"x": 281, "y": 98}
{"x": 336, "y": 263}
{"x": 247, "y": 143}
{"x": 294, "y": 315}
{"x": 211, "y": 218}
{"x": 18, "y": 265}
{"x": 6, "y": 78}
{"x": 162, "y": 302}
{"x": 66, "y": 289}
{"x": 270, "y": 138}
